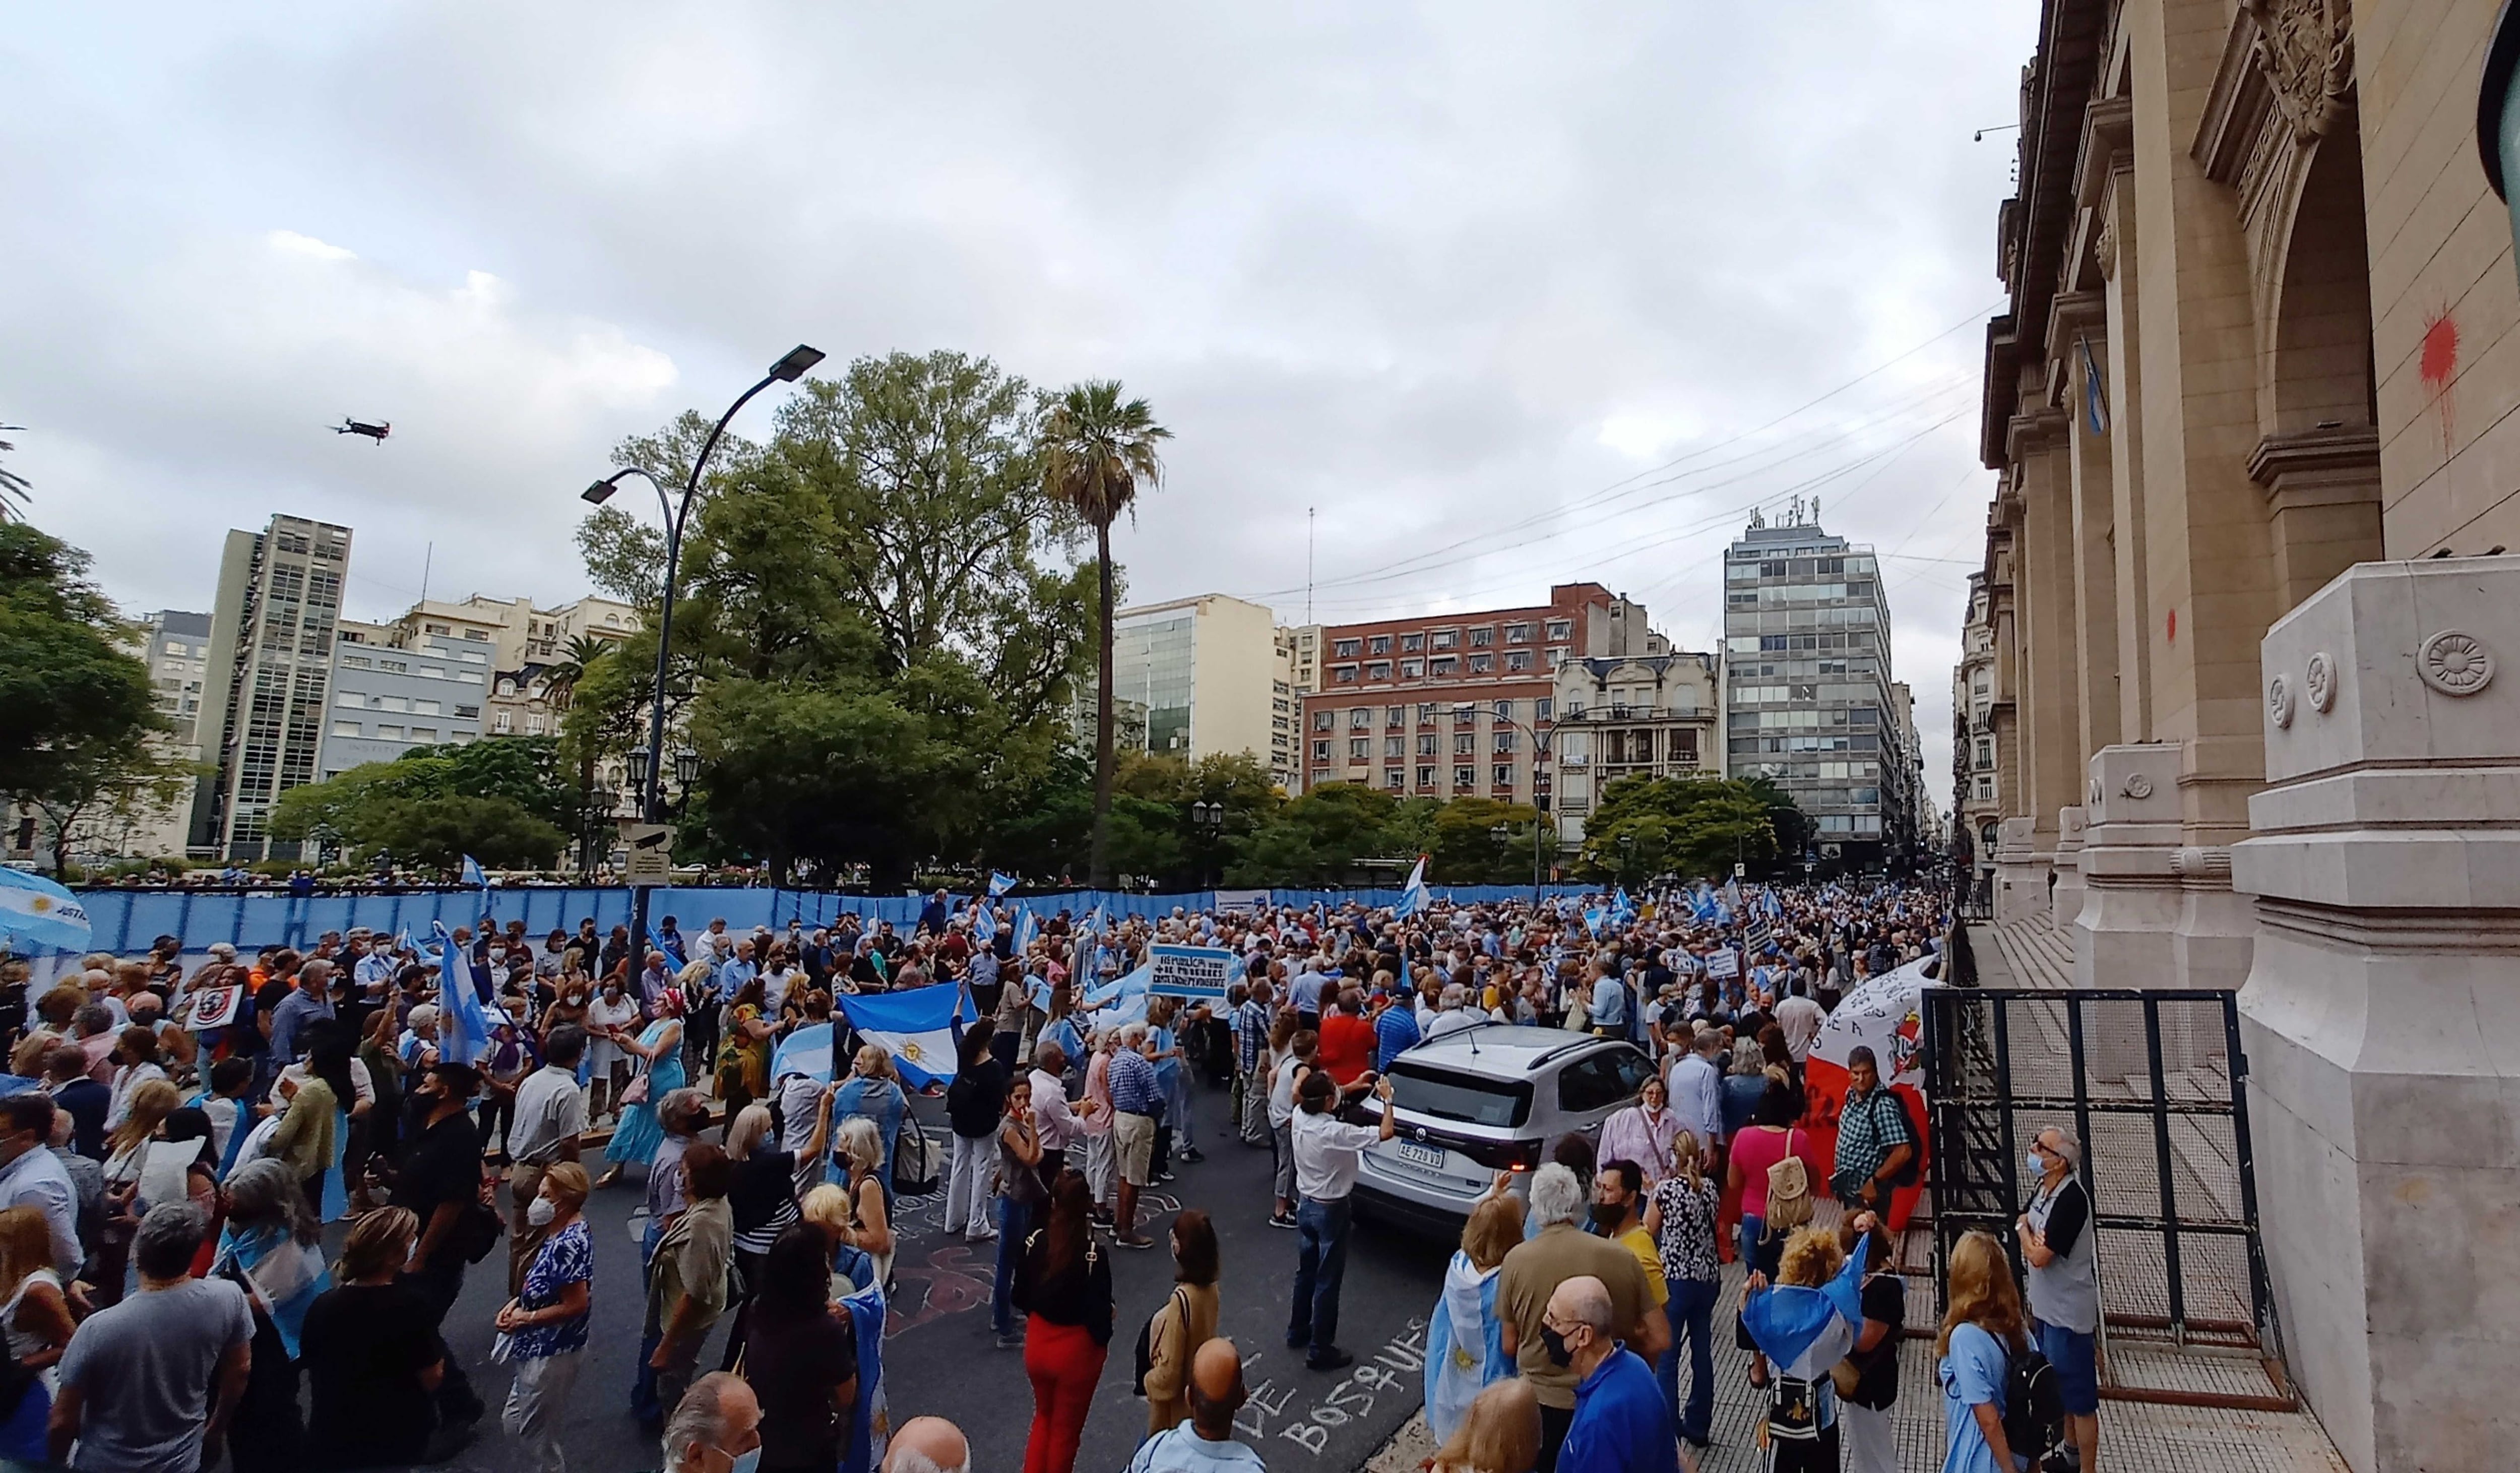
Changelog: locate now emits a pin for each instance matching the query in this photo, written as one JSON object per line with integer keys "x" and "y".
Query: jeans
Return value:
{"x": 1014, "y": 1220}
{"x": 1691, "y": 1311}
{"x": 1320, "y": 1261}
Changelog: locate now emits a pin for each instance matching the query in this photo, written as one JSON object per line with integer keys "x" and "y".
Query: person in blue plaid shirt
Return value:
{"x": 1250, "y": 1022}
{"x": 1135, "y": 1099}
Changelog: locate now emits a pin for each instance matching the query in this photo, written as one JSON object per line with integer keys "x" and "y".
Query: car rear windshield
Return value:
{"x": 1466, "y": 1097}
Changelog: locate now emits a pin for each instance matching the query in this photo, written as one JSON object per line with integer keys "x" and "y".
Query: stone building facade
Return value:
{"x": 2244, "y": 598}
{"x": 1632, "y": 715}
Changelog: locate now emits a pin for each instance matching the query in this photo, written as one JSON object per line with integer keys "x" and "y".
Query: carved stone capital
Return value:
{"x": 2307, "y": 50}
{"x": 2319, "y": 467}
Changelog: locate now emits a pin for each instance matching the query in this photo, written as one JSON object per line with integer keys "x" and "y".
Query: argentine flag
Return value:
{"x": 473, "y": 875}
{"x": 999, "y": 884}
{"x": 984, "y": 923}
{"x": 1788, "y": 1322}
{"x": 1412, "y": 895}
{"x": 1026, "y": 928}
{"x": 464, "y": 1021}
{"x": 917, "y": 1027}
{"x": 806, "y": 1051}
{"x": 38, "y": 914}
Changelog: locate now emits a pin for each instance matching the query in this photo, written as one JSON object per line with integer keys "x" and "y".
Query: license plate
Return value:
{"x": 1418, "y": 1155}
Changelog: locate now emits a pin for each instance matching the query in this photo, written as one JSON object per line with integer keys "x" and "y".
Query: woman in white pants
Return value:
{"x": 1102, "y": 1163}
{"x": 1865, "y": 1440}
{"x": 546, "y": 1324}
{"x": 975, "y": 1101}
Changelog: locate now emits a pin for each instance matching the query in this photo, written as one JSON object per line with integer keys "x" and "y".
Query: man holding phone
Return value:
{"x": 1327, "y": 1154}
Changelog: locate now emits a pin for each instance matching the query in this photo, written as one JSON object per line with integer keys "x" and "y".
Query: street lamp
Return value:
{"x": 687, "y": 768}
{"x": 601, "y": 800}
{"x": 645, "y": 775}
{"x": 1208, "y": 818}
{"x": 1539, "y": 754}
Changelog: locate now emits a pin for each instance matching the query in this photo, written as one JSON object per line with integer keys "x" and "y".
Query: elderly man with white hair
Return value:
{"x": 928, "y": 1444}
{"x": 1452, "y": 1013}
{"x": 2056, "y": 1242}
{"x": 1620, "y": 1424}
{"x": 715, "y": 1427}
{"x": 1559, "y": 1252}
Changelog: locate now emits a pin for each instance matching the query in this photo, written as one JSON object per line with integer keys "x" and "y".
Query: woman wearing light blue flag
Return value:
{"x": 1465, "y": 1334}
{"x": 1805, "y": 1324}
{"x": 272, "y": 1248}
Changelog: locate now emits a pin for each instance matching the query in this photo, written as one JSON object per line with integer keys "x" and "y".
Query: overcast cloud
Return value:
{"x": 1447, "y": 273}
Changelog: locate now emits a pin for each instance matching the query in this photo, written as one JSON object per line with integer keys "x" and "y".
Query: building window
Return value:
{"x": 1358, "y": 749}
{"x": 1426, "y": 713}
{"x": 345, "y": 728}
{"x": 1463, "y": 744}
{"x": 1504, "y": 710}
{"x": 1561, "y": 629}
{"x": 1324, "y": 720}
{"x": 1321, "y": 752}
{"x": 1395, "y": 778}
{"x": 1481, "y": 639}
{"x": 424, "y": 733}
{"x": 1556, "y": 658}
{"x": 1505, "y": 740}
{"x": 435, "y": 629}
{"x": 1517, "y": 633}
{"x": 1481, "y": 664}
{"x": 1360, "y": 718}
{"x": 1412, "y": 642}
{"x": 1466, "y": 777}
{"x": 1345, "y": 649}
{"x": 1380, "y": 669}
{"x": 388, "y": 733}
{"x": 1413, "y": 670}
{"x": 534, "y": 725}
{"x": 355, "y": 662}
{"x": 1544, "y": 709}
{"x": 1516, "y": 660}
{"x": 1344, "y": 675}
{"x": 467, "y": 713}
{"x": 1985, "y": 753}
{"x": 1394, "y": 718}
{"x": 1426, "y": 777}
{"x": 1446, "y": 639}
{"x": 1505, "y": 774}
{"x": 1426, "y": 745}
{"x": 425, "y": 708}
{"x": 358, "y": 701}
{"x": 1380, "y": 644}
{"x": 390, "y": 703}
{"x": 1442, "y": 664}
{"x": 1395, "y": 747}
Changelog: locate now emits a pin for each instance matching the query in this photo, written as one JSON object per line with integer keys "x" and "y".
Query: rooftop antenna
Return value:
{"x": 427, "y": 553}
{"x": 1814, "y": 511}
{"x": 1307, "y": 564}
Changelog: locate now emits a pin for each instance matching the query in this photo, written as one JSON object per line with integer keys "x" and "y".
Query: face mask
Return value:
{"x": 1559, "y": 1351}
{"x": 2034, "y": 1164}
{"x": 541, "y": 1211}
{"x": 747, "y": 1463}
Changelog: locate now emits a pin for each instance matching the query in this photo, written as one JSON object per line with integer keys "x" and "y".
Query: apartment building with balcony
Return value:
{"x": 1632, "y": 715}
{"x": 1449, "y": 705}
{"x": 264, "y": 680}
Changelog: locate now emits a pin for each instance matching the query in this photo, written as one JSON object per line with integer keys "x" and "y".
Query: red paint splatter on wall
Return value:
{"x": 2173, "y": 623}
{"x": 2438, "y": 365}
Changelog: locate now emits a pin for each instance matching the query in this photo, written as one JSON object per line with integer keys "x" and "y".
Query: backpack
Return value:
{"x": 915, "y": 1168}
{"x": 1907, "y": 1175}
{"x": 1788, "y": 1189}
{"x": 1145, "y": 1357}
{"x": 2034, "y": 1405}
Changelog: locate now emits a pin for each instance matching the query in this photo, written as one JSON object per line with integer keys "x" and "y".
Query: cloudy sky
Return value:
{"x": 1507, "y": 294}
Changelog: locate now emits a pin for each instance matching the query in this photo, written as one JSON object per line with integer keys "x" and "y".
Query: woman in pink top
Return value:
{"x": 1769, "y": 1137}
{"x": 1642, "y": 1132}
{"x": 1099, "y": 1162}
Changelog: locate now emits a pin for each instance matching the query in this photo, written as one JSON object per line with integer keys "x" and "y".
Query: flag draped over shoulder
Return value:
{"x": 1787, "y": 1320}
{"x": 917, "y": 1027}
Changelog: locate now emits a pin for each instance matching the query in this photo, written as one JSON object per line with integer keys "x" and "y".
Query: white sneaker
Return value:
{"x": 984, "y": 1235}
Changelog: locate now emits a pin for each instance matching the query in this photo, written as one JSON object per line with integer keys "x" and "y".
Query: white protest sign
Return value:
{"x": 1722, "y": 965}
{"x": 1200, "y": 972}
{"x": 215, "y": 1008}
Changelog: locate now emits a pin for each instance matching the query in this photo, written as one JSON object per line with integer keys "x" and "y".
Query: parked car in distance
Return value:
{"x": 1485, "y": 1100}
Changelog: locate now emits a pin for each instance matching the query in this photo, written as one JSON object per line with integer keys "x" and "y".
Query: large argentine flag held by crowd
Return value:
{"x": 1412, "y": 895}
{"x": 917, "y": 1027}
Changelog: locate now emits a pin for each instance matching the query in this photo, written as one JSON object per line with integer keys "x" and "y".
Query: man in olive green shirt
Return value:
{"x": 1532, "y": 1272}
{"x": 685, "y": 1282}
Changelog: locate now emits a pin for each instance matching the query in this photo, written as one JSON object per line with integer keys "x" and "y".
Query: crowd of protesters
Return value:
{"x": 177, "y": 1132}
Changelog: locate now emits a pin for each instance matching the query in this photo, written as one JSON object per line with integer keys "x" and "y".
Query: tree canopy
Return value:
{"x": 1691, "y": 827}
{"x": 506, "y": 802}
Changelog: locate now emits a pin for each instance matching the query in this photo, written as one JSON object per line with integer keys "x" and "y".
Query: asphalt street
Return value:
{"x": 939, "y": 1356}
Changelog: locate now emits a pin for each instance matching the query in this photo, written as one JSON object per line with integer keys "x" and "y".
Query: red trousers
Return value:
{"x": 1064, "y": 1363}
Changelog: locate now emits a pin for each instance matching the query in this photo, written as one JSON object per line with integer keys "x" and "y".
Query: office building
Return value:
{"x": 265, "y": 680}
{"x": 1202, "y": 669}
{"x": 1449, "y": 706}
{"x": 388, "y": 698}
{"x": 1632, "y": 715}
{"x": 1808, "y": 698}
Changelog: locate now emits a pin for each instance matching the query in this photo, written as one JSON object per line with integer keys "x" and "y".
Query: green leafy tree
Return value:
{"x": 439, "y": 831}
{"x": 1693, "y": 827}
{"x": 415, "y": 807}
{"x": 104, "y": 785}
{"x": 1466, "y": 849}
{"x": 1097, "y": 450}
{"x": 76, "y": 709}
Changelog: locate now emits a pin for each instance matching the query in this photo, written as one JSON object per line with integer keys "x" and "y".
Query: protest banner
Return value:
{"x": 1197, "y": 972}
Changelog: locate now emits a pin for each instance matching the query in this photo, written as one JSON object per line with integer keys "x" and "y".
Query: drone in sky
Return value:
{"x": 350, "y": 426}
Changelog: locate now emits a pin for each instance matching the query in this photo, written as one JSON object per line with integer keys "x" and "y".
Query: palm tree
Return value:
{"x": 561, "y": 675}
{"x": 1096, "y": 449}
{"x": 13, "y": 488}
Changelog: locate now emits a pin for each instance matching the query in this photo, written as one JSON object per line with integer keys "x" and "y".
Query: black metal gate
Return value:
{"x": 2155, "y": 1086}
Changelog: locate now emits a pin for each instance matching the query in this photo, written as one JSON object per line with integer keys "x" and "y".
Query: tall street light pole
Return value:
{"x": 1539, "y": 754}
{"x": 786, "y": 370}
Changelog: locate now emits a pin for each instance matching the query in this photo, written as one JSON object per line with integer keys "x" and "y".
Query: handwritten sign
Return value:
{"x": 216, "y": 1007}
{"x": 1197, "y": 972}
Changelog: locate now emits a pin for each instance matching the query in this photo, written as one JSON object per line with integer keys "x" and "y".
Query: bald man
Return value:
{"x": 1205, "y": 1442}
{"x": 928, "y": 1444}
{"x": 1621, "y": 1425}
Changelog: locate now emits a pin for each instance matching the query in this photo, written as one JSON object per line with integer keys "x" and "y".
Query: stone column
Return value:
{"x": 2051, "y": 727}
{"x": 2382, "y": 1012}
{"x": 2020, "y": 877}
{"x": 2131, "y": 885}
{"x": 2095, "y": 597}
{"x": 2066, "y": 900}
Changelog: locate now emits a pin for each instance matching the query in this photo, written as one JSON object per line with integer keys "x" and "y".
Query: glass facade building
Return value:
{"x": 1806, "y": 672}
{"x": 1152, "y": 660}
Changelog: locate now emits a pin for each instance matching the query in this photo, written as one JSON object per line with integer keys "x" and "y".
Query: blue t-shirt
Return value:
{"x": 1622, "y": 1424}
{"x": 1971, "y": 1376}
{"x": 1395, "y": 1033}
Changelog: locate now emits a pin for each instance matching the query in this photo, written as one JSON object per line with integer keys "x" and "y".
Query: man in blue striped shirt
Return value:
{"x": 1395, "y": 1028}
{"x": 1135, "y": 1097}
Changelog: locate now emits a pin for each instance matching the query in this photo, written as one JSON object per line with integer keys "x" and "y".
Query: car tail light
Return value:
{"x": 1500, "y": 1154}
